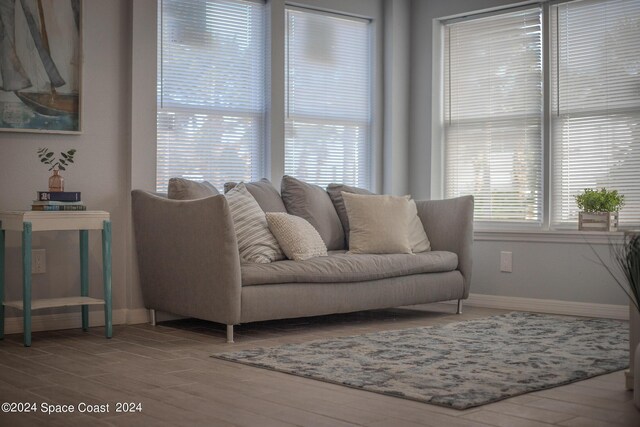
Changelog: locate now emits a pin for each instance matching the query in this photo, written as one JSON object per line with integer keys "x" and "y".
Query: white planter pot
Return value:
{"x": 598, "y": 221}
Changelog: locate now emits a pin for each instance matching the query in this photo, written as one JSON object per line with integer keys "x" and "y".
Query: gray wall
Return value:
{"x": 116, "y": 154}
{"x": 541, "y": 269}
{"x": 101, "y": 171}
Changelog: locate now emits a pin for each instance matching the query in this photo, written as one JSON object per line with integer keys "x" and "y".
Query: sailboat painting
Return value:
{"x": 40, "y": 65}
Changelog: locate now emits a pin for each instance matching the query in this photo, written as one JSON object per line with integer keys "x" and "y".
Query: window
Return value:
{"x": 328, "y": 105}
{"x": 493, "y": 115}
{"x": 495, "y": 106}
{"x": 595, "y": 115}
{"x": 211, "y": 90}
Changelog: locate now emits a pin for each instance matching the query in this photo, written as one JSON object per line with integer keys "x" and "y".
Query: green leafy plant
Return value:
{"x": 48, "y": 157}
{"x": 601, "y": 200}
{"x": 626, "y": 256}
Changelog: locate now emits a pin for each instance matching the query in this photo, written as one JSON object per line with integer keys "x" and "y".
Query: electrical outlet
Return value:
{"x": 506, "y": 262}
{"x": 38, "y": 261}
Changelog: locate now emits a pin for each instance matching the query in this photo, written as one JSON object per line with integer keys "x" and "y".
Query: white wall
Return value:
{"x": 541, "y": 269}
{"x": 101, "y": 171}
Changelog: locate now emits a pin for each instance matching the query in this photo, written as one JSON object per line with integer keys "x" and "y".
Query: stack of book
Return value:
{"x": 58, "y": 201}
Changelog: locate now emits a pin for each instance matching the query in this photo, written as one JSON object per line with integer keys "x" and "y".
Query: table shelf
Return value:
{"x": 37, "y": 304}
{"x": 27, "y": 222}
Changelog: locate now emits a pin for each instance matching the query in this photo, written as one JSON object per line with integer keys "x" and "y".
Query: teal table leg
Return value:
{"x": 26, "y": 282}
{"x": 106, "y": 272}
{"x": 1, "y": 281}
{"x": 84, "y": 275}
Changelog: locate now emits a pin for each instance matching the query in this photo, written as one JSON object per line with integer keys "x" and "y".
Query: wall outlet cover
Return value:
{"x": 506, "y": 261}
{"x": 38, "y": 261}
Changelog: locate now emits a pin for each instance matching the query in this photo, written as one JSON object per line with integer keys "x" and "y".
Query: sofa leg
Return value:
{"x": 230, "y": 334}
{"x": 152, "y": 314}
{"x": 459, "y": 311}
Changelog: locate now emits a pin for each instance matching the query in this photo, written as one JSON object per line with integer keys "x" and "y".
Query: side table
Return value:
{"x": 28, "y": 222}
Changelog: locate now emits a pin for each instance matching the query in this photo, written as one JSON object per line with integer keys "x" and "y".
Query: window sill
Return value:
{"x": 549, "y": 236}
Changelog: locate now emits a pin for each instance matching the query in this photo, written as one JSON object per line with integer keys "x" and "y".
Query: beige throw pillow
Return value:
{"x": 418, "y": 239}
{"x": 255, "y": 241}
{"x": 378, "y": 224}
{"x": 298, "y": 239}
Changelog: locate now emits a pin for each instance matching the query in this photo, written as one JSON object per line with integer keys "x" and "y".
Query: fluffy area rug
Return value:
{"x": 459, "y": 365}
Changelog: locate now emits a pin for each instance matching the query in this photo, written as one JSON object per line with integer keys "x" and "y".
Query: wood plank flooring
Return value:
{"x": 167, "y": 369}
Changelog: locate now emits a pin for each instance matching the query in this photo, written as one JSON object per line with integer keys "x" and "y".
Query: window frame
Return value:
{"x": 525, "y": 232}
{"x": 253, "y": 117}
{"x": 444, "y": 22}
{"x": 144, "y": 64}
{"x": 369, "y": 125}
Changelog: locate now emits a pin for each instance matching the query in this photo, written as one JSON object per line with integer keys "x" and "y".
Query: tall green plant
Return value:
{"x": 626, "y": 256}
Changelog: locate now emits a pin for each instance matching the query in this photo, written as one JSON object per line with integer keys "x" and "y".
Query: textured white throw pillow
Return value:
{"x": 298, "y": 239}
{"x": 418, "y": 239}
{"x": 378, "y": 224}
{"x": 255, "y": 241}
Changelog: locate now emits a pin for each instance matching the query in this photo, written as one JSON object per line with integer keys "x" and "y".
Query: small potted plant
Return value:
{"x": 599, "y": 209}
{"x": 57, "y": 164}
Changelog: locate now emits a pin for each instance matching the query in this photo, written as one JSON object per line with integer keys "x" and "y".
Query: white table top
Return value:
{"x": 54, "y": 220}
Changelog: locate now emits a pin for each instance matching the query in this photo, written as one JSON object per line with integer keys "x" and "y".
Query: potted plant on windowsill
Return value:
{"x": 599, "y": 209}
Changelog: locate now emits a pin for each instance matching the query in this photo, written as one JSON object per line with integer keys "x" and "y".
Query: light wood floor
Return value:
{"x": 168, "y": 370}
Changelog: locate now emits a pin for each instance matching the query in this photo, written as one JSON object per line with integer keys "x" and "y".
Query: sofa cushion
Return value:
{"x": 342, "y": 267}
{"x": 418, "y": 239}
{"x": 379, "y": 224}
{"x": 265, "y": 194}
{"x": 297, "y": 238}
{"x": 335, "y": 193}
{"x": 312, "y": 203}
{"x": 255, "y": 241}
{"x": 186, "y": 189}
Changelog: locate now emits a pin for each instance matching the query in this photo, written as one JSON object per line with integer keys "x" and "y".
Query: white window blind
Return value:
{"x": 493, "y": 109}
{"x": 211, "y": 90}
{"x": 595, "y": 72}
{"x": 328, "y": 101}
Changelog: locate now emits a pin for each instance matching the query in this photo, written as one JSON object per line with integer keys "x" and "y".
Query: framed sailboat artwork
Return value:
{"x": 40, "y": 65}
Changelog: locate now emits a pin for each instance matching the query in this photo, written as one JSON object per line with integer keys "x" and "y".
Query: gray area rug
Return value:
{"x": 458, "y": 365}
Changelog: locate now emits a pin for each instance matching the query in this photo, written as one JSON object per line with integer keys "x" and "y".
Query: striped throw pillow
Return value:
{"x": 255, "y": 241}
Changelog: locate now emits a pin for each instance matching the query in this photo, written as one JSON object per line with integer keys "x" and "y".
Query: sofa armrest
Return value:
{"x": 188, "y": 256}
{"x": 449, "y": 226}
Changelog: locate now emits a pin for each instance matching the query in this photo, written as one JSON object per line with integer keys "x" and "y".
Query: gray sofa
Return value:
{"x": 189, "y": 265}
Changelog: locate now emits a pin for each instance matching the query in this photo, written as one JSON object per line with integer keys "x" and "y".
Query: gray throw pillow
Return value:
{"x": 335, "y": 192}
{"x": 265, "y": 194}
{"x": 312, "y": 203}
{"x": 255, "y": 242}
{"x": 186, "y": 189}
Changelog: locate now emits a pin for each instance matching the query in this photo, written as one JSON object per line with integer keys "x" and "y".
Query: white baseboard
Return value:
{"x": 52, "y": 322}
{"x": 569, "y": 308}
{"x": 137, "y": 315}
